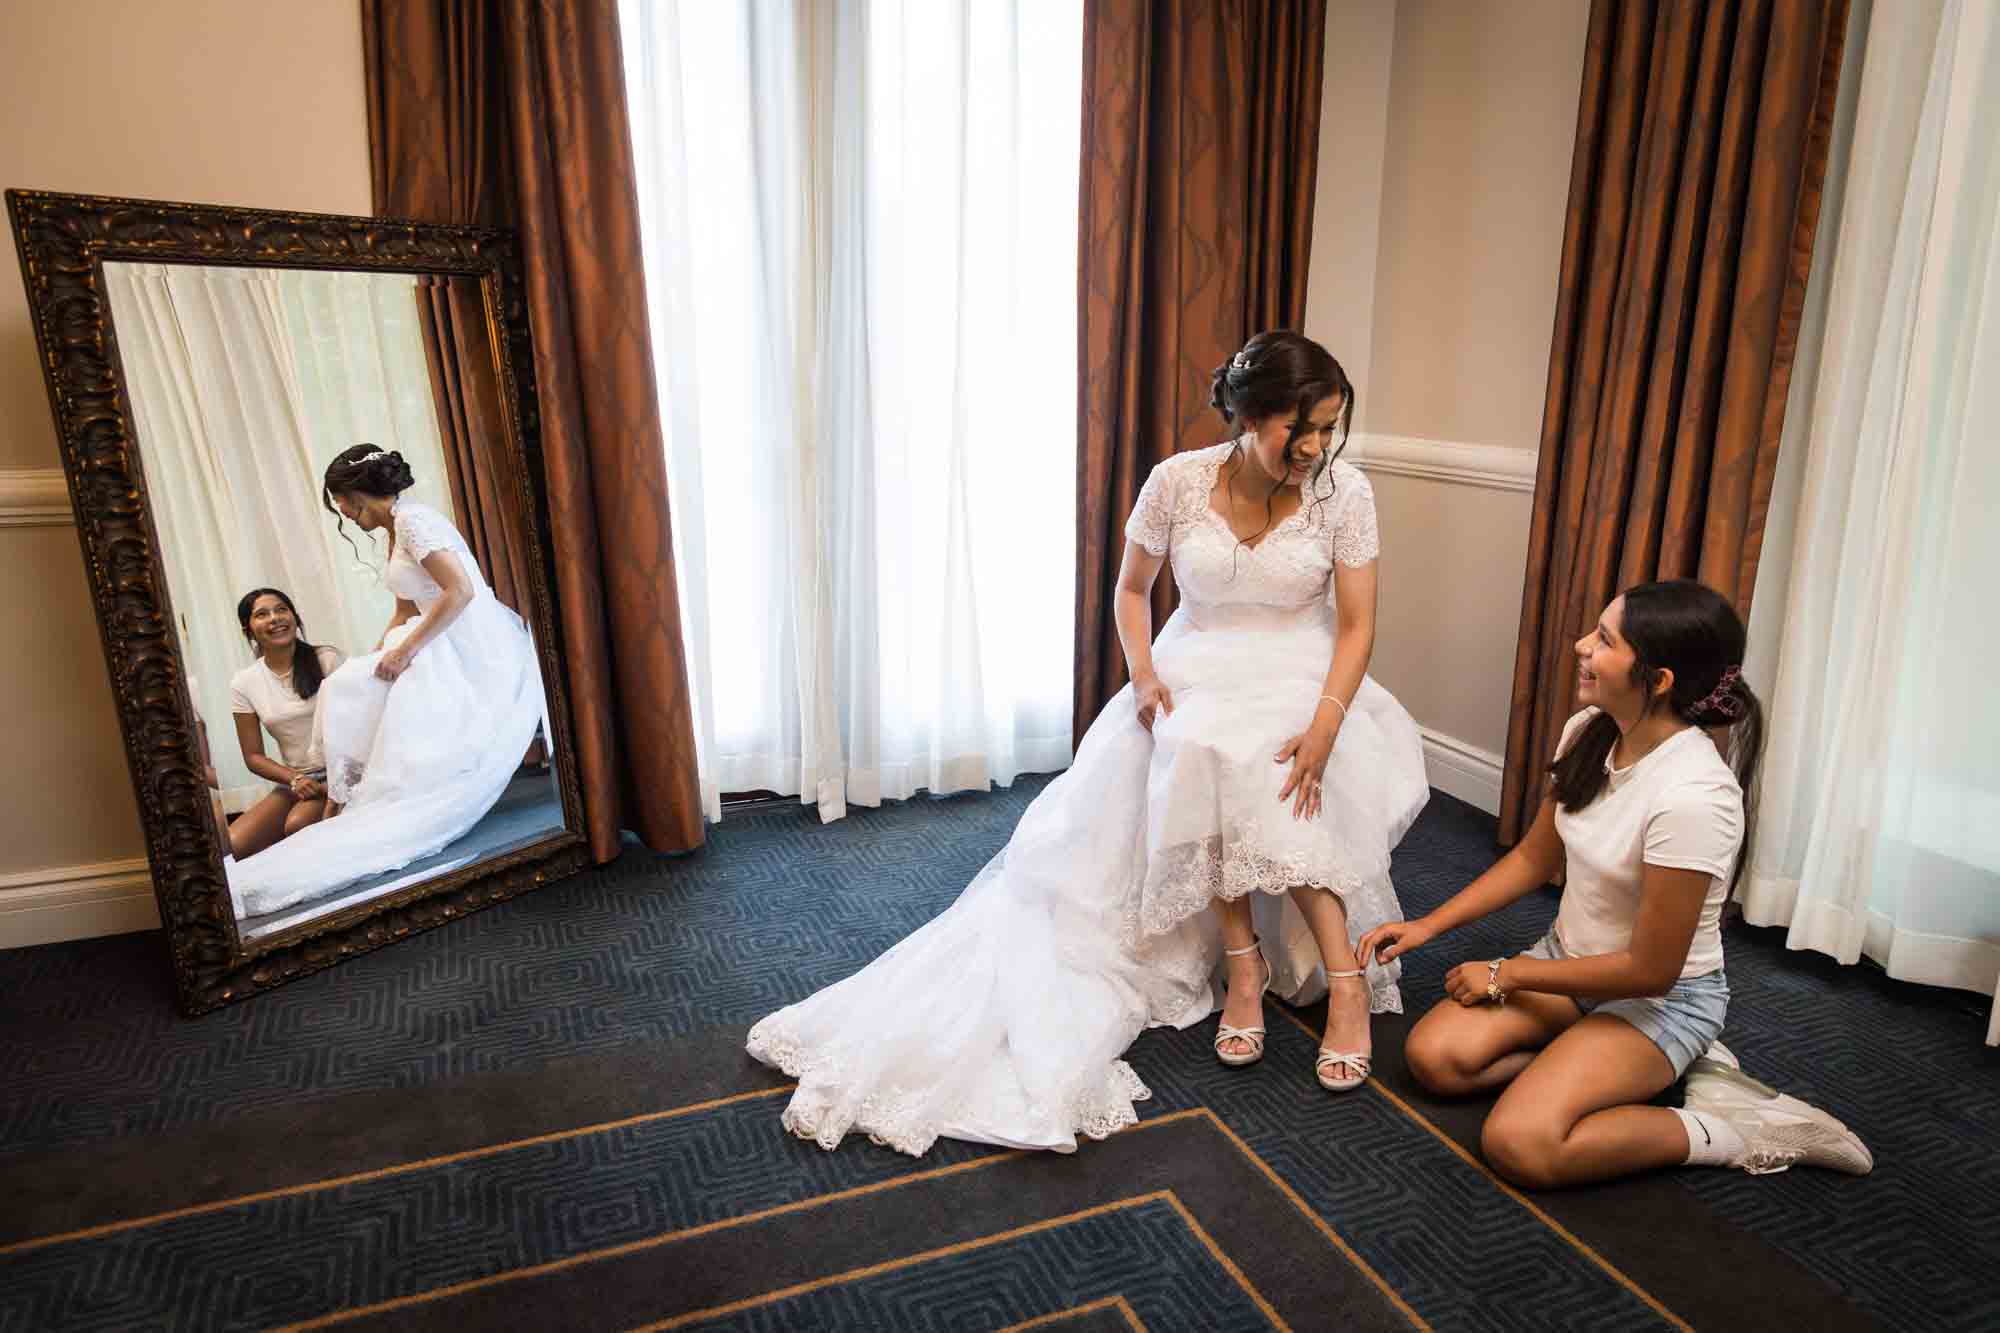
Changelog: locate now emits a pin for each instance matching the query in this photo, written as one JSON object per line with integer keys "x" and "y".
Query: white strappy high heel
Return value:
{"x": 1331, "y": 1060}
{"x": 1254, "y": 1037}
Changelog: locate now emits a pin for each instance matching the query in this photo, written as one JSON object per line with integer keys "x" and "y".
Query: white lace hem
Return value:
{"x": 1182, "y": 881}
{"x": 901, "y": 1119}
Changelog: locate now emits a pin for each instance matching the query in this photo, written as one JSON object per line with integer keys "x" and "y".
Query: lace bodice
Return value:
{"x": 420, "y": 530}
{"x": 1290, "y": 566}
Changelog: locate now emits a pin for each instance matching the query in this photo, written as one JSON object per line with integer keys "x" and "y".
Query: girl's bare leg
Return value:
{"x": 261, "y": 825}
{"x": 1577, "y": 1113}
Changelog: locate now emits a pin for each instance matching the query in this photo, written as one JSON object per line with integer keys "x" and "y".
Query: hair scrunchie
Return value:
{"x": 1722, "y": 701}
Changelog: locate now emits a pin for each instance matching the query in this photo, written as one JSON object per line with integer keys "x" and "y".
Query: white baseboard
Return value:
{"x": 76, "y": 902}
{"x": 1465, "y": 771}
{"x": 34, "y": 498}
{"x": 1491, "y": 466}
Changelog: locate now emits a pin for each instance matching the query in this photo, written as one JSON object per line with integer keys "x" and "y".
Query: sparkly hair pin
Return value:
{"x": 369, "y": 458}
{"x": 1241, "y": 361}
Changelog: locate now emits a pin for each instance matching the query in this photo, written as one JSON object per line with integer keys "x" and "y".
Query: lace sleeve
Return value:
{"x": 421, "y": 530}
{"x": 1355, "y": 538}
{"x": 1152, "y": 518}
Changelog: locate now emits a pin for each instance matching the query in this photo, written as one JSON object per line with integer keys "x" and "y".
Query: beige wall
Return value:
{"x": 1347, "y": 210}
{"x": 1482, "y": 115}
{"x": 1453, "y": 248}
{"x": 214, "y": 101}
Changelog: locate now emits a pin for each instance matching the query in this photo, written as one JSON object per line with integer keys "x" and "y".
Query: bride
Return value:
{"x": 419, "y": 738}
{"x": 1238, "y": 800}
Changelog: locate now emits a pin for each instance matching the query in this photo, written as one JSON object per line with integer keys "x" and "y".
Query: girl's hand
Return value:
{"x": 1308, "y": 752}
{"x": 1393, "y": 939}
{"x": 395, "y": 662}
{"x": 1151, "y": 698}
{"x": 305, "y": 788}
{"x": 1467, "y": 982}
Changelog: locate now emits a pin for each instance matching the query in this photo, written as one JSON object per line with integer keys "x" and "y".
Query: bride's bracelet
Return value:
{"x": 1327, "y": 698}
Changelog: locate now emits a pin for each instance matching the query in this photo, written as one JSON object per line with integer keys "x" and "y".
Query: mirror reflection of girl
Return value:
{"x": 421, "y": 736}
{"x": 278, "y": 694}
{"x": 1626, "y": 993}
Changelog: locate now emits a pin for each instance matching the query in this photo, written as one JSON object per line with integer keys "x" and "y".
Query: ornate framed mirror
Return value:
{"x": 303, "y": 458}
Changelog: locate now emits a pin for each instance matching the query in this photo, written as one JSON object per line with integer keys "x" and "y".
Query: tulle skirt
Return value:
{"x": 1003, "y": 1020}
{"x": 416, "y": 762}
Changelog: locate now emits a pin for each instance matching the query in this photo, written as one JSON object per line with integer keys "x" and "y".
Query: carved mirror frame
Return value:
{"x": 64, "y": 242}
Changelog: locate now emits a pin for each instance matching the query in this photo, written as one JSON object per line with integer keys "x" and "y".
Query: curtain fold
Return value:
{"x": 465, "y": 388}
{"x": 1695, "y": 190}
{"x": 1200, "y": 153}
{"x": 859, "y": 253}
{"x": 1880, "y": 834}
{"x": 513, "y": 113}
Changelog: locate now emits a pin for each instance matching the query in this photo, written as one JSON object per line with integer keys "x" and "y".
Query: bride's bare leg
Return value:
{"x": 1347, "y": 999}
{"x": 1245, "y": 1006}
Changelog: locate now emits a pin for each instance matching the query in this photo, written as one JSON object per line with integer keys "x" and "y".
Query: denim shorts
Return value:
{"x": 1681, "y": 1023}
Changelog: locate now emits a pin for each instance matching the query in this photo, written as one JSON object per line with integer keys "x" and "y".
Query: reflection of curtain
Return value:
{"x": 464, "y": 384}
{"x": 1881, "y": 792}
{"x": 1200, "y": 152}
{"x": 244, "y": 383}
{"x": 512, "y": 113}
{"x": 1694, "y": 188}
{"x": 860, "y": 230}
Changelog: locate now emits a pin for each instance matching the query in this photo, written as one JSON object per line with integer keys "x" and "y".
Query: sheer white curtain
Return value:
{"x": 1880, "y": 832}
{"x": 860, "y": 232}
{"x": 244, "y": 383}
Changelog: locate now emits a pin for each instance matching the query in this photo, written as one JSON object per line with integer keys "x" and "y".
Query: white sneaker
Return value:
{"x": 1718, "y": 1054}
{"x": 1778, "y": 1131}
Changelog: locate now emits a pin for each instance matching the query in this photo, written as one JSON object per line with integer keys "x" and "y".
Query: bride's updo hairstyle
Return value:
{"x": 1282, "y": 373}
{"x": 363, "y": 469}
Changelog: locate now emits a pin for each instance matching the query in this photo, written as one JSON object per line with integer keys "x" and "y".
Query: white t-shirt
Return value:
{"x": 1678, "y": 807}
{"x": 271, "y": 700}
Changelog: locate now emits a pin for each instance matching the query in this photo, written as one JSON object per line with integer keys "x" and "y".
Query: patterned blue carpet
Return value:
{"x": 539, "y": 1116}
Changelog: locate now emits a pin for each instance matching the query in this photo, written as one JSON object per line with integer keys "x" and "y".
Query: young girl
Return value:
{"x": 1627, "y": 991}
{"x": 278, "y": 693}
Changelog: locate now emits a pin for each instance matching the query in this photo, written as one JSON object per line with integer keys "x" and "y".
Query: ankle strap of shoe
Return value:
{"x": 1251, "y": 947}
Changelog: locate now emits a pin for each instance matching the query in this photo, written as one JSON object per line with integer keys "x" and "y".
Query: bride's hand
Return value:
{"x": 1151, "y": 698}
{"x": 394, "y": 662}
{"x": 1308, "y": 752}
{"x": 1393, "y": 939}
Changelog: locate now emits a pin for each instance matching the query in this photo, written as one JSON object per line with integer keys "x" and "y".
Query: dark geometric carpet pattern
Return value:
{"x": 634, "y": 983}
{"x": 1145, "y": 1253}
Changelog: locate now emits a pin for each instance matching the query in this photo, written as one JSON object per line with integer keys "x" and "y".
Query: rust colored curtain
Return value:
{"x": 1695, "y": 186}
{"x": 1200, "y": 148}
{"x": 512, "y": 112}
{"x": 465, "y": 387}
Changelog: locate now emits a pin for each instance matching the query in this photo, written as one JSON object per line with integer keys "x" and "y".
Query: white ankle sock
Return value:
{"x": 1712, "y": 1141}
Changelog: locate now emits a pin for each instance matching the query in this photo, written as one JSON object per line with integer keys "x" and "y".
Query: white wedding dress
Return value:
{"x": 1003, "y": 1020}
{"x": 418, "y": 761}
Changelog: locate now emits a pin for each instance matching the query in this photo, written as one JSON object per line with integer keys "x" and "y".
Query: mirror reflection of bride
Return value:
{"x": 420, "y": 737}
